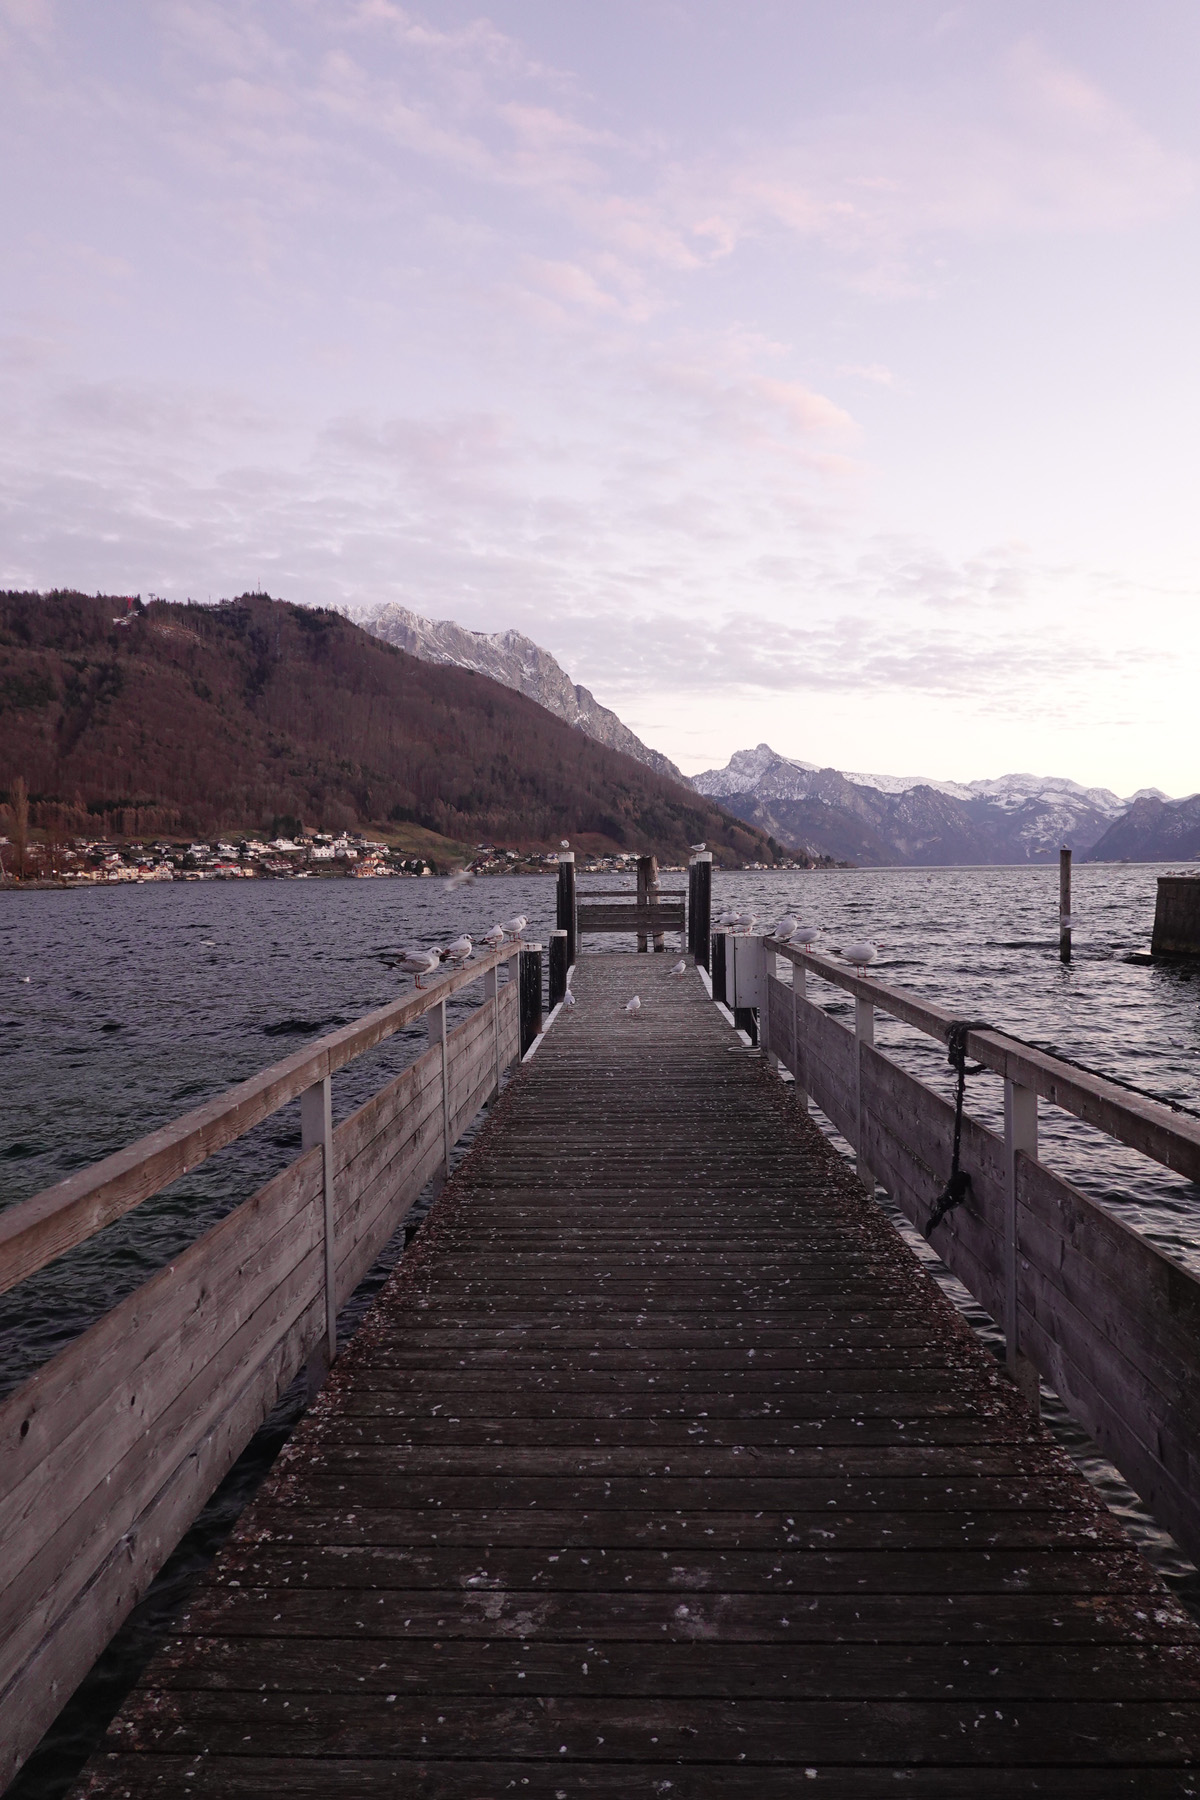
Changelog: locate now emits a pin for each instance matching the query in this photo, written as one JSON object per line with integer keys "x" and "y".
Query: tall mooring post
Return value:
{"x": 530, "y": 995}
{"x": 699, "y": 912}
{"x": 647, "y": 893}
{"x": 567, "y": 918}
{"x": 1064, "y": 904}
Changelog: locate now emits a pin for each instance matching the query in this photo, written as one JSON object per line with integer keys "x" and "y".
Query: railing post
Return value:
{"x": 559, "y": 967}
{"x": 530, "y": 995}
{"x": 799, "y": 991}
{"x": 647, "y": 878}
{"x": 1020, "y": 1137}
{"x": 436, "y": 1020}
{"x": 491, "y": 995}
{"x": 700, "y": 909}
{"x": 316, "y": 1127}
{"x": 864, "y": 1033}
{"x": 567, "y": 906}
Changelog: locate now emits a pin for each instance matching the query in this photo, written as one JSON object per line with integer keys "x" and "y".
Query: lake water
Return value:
{"x": 122, "y": 1008}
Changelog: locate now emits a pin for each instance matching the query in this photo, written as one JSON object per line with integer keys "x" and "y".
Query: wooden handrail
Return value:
{"x": 36, "y": 1231}
{"x": 1144, "y": 1125}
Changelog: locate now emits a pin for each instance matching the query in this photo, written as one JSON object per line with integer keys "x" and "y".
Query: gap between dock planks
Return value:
{"x": 661, "y": 1468}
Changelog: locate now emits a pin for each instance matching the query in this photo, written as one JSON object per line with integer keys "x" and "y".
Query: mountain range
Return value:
{"x": 508, "y": 657}
{"x": 906, "y": 820}
{"x": 255, "y": 714}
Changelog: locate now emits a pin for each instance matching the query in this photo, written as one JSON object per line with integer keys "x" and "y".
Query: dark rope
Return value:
{"x": 958, "y": 1187}
{"x": 1131, "y": 1087}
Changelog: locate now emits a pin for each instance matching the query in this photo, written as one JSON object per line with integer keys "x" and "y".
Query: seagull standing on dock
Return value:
{"x": 680, "y": 967}
{"x": 807, "y": 934}
{"x": 568, "y": 998}
{"x": 860, "y": 955}
{"x": 633, "y": 1007}
{"x": 419, "y": 963}
{"x": 459, "y": 951}
{"x": 514, "y": 927}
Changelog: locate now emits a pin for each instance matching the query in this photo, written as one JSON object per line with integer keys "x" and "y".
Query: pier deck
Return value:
{"x": 662, "y": 1469}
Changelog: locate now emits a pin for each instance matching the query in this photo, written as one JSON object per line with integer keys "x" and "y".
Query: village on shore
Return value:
{"x": 89, "y": 862}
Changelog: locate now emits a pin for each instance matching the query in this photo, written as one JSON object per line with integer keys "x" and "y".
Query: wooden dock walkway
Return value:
{"x": 662, "y": 1469}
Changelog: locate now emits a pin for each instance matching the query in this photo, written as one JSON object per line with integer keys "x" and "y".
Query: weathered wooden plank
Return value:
{"x": 334, "y": 1777}
{"x": 37, "y": 1230}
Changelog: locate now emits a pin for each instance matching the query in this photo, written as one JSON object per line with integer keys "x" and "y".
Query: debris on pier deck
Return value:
{"x": 661, "y": 1468}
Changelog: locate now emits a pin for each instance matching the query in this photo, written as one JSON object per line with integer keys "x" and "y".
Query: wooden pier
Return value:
{"x": 662, "y": 1469}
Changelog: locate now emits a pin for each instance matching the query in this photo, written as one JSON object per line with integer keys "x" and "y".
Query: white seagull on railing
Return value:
{"x": 807, "y": 934}
{"x": 459, "y": 951}
{"x": 419, "y": 963}
{"x": 633, "y": 1007}
{"x": 785, "y": 928}
{"x": 495, "y": 936}
{"x": 860, "y": 954}
{"x": 514, "y": 927}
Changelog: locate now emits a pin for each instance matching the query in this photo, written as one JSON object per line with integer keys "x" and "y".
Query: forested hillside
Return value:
{"x": 195, "y": 719}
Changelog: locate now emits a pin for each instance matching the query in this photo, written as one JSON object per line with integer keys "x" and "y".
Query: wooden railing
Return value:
{"x": 108, "y": 1453}
{"x": 1110, "y": 1321}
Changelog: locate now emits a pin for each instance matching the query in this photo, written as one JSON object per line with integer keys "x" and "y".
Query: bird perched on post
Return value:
{"x": 494, "y": 937}
{"x": 697, "y": 848}
{"x": 680, "y": 968}
{"x": 807, "y": 934}
{"x": 633, "y": 1007}
{"x": 419, "y": 963}
{"x": 785, "y": 928}
{"x": 459, "y": 951}
{"x": 514, "y": 927}
{"x": 859, "y": 954}
{"x": 564, "y": 843}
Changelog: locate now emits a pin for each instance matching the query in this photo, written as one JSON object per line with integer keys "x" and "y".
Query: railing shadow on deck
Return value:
{"x": 108, "y": 1453}
{"x": 1085, "y": 1301}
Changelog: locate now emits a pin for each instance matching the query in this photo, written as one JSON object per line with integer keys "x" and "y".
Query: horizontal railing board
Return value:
{"x": 1104, "y": 1315}
{"x": 108, "y": 1474}
{"x": 187, "y": 1342}
{"x": 668, "y": 916}
{"x": 1169, "y": 1138}
{"x": 36, "y": 1231}
{"x": 42, "y": 1685}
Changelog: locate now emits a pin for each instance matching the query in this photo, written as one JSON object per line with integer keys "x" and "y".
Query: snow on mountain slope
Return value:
{"x": 910, "y": 819}
{"x": 517, "y": 662}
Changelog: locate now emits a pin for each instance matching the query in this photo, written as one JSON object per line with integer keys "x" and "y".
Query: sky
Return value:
{"x": 820, "y": 372}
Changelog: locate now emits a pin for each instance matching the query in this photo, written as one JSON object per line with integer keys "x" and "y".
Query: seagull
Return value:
{"x": 697, "y": 848}
{"x": 564, "y": 843}
{"x": 680, "y": 968}
{"x": 633, "y": 1007}
{"x": 726, "y": 918}
{"x": 859, "y": 954}
{"x": 494, "y": 936}
{"x": 514, "y": 927}
{"x": 785, "y": 929}
{"x": 806, "y": 934}
{"x": 744, "y": 921}
{"x": 459, "y": 951}
{"x": 24, "y": 977}
{"x": 460, "y": 878}
{"x": 419, "y": 962}
{"x": 568, "y": 998}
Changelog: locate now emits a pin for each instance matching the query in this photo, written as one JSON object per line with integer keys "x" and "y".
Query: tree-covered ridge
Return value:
{"x": 175, "y": 717}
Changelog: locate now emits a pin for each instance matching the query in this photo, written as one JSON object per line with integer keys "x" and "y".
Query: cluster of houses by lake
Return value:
{"x": 85, "y": 862}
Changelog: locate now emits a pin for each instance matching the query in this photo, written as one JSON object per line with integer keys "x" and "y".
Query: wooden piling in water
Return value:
{"x": 1177, "y": 916}
{"x": 1064, "y": 904}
